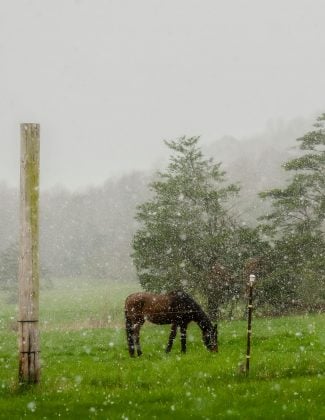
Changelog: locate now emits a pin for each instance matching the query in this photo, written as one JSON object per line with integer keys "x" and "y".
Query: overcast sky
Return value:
{"x": 109, "y": 80}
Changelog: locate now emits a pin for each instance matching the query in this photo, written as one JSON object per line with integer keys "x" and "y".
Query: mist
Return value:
{"x": 87, "y": 232}
{"x": 108, "y": 82}
{"x": 174, "y": 198}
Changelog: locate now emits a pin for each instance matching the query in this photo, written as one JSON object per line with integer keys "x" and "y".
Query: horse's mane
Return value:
{"x": 190, "y": 304}
{"x": 186, "y": 299}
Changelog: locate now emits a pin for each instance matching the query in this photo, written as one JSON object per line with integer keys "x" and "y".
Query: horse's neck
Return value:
{"x": 203, "y": 321}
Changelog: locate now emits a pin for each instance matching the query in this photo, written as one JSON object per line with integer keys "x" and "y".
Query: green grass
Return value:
{"x": 87, "y": 373}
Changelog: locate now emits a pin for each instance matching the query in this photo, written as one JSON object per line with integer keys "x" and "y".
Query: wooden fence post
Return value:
{"x": 29, "y": 363}
{"x": 249, "y": 323}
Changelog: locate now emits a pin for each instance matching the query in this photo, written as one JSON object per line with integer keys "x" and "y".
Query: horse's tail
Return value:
{"x": 129, "y": 334}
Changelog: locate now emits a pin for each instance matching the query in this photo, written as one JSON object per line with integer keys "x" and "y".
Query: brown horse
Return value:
{"x": 175, "y": 308}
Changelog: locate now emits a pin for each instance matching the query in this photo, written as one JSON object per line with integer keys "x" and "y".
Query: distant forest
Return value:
{"x": 88, "y": 233}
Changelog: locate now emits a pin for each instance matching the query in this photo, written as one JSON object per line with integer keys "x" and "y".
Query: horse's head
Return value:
{"x": 210, "y": 338}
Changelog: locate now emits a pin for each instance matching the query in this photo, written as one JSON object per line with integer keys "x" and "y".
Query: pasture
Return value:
{"x": 87, "y": 372}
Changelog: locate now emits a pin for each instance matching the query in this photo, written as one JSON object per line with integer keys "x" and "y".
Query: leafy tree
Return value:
{"x": 300, "y": 207}
{"x": 296, "y": 225}
{"x": 186, "y": 228}
{"x": 298, "y": 277}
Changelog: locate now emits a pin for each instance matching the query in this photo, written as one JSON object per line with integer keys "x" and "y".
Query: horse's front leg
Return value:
{"x": 183, "y": 338}
{"x": 172, "y": 336}
{"x": 136, "y": 336}
{"x": 129, "y": 336}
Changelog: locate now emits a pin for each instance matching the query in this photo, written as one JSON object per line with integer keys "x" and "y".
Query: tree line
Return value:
{"x": 191, "y": 239}
{"x": 82, "y": 233}
{"x": 194, "y": 228}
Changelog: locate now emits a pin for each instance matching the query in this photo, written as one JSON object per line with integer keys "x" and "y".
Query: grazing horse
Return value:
{"x": 176, "y": 308}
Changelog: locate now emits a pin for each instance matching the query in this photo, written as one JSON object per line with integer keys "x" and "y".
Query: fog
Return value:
{"x": 109, "y": 80}
{"x": 231, "y": 197}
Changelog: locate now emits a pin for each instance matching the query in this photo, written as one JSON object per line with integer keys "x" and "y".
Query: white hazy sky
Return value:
{"x": 108, "y": 80}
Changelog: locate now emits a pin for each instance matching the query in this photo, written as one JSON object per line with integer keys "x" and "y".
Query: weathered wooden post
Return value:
{"x": 249, "y": 326}
{"x": 29, "y": 363}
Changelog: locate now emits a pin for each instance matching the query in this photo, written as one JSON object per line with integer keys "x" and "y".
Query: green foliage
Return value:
{"x": 297, "y": 280}
{"x": 185, "y": 229}
{"x": 300, "y": 207}
{"x": 185, "y": 225}
{"x": 296, "y": 225}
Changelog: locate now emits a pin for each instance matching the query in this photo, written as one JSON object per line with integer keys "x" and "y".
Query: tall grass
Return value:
{"x": 86, "y": 370}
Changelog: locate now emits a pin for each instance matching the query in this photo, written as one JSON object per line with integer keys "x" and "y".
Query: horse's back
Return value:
{"x": 138, "y": 298}
{"x": 153, "y": 307}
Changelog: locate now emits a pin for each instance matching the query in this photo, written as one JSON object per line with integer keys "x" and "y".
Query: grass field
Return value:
{"x": 87, "y": 373}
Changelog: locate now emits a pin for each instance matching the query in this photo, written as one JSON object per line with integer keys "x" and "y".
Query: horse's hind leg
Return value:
{"x": 172, "y": 336}
{"x": 129, "y": 336}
